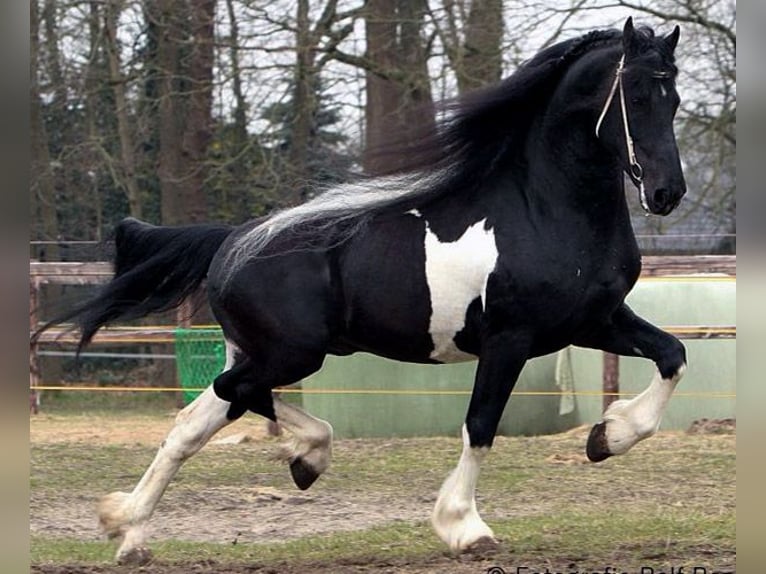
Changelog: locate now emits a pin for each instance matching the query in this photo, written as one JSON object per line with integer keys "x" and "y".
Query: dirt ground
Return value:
{"x": 228, "y": 512}
{"x": 225, "y": 515}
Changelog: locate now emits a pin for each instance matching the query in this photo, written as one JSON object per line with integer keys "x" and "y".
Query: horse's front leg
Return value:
{"x": 625, "y": 422}
{"x": 455, "y": 517}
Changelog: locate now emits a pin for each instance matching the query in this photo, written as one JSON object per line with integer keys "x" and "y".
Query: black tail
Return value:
{"x": 155, "y": 269}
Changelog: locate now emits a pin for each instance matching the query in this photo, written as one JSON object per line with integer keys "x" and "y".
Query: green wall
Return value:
{"x": 408, "y": 414}
{"x": 712, "y": 363}
{"x": 712, "y": 368}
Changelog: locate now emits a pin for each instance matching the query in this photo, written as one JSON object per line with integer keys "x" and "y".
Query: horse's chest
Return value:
{"x": 456, "y": 273}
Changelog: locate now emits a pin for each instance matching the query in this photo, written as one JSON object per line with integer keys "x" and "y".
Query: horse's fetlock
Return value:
{"x": 114, "y": 513}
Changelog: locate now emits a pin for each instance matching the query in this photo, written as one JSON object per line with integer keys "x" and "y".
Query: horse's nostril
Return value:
{"x": 661, "y": 197}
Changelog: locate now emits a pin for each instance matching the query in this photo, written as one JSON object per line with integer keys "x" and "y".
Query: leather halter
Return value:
{"x": 636, "y": 171}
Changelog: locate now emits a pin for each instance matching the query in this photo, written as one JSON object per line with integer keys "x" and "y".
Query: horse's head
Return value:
{"x": 636, "y": 120}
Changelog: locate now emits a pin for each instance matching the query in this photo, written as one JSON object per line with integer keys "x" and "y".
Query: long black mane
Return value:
{"x": 475, "y": 134}
{"x": 484, "y": 127}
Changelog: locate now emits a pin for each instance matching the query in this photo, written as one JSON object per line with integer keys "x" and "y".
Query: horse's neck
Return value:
{"x": 570, "y": 174}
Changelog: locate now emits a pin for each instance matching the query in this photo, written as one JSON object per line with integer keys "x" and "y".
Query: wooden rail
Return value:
{"x": 99, "y": 272}
{"x": 83, "y": 273}
{"x": 667, "y": 265}
{"x": 69, "y": 273}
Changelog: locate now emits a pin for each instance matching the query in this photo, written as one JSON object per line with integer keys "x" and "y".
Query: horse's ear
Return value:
{"x": 629, "y": 40}
{"x": 672, "y": 39}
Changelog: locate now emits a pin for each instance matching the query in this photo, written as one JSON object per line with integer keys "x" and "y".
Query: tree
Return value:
{"x": 399, "y": 104}
{"x": 472, "y": 40}
{"x": 121, "y": 108}
{"x": 42, "y": 194}
{"x": 184, "y": 90}
{"x": 321, "y": 163}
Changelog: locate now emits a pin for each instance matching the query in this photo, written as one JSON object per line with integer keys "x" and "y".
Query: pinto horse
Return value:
{"x": 512, "y": 241}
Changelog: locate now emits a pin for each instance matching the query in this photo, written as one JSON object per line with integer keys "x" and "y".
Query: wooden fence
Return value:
{"x": 93, "y": 273}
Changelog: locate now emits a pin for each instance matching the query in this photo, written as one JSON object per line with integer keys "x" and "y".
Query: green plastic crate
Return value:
{"x": 200, "y": 357}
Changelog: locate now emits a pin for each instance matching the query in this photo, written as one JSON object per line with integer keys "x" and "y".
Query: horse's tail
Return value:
{"x": 155, "y": 269}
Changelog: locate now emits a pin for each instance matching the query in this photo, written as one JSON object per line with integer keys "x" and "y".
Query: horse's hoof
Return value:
{"x": 597, "y": 448}
{"x": 486, "y": 545}
{"x": 303, "y": 475}
{"x": 139, "y": 556}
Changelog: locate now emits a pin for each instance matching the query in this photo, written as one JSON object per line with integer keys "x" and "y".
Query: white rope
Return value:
{"x": 636, "y": 171}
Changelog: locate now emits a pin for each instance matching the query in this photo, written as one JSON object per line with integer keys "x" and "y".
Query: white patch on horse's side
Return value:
{"x": 455, "y": 517}
{"x": 414, "y": 212}
{"x": 663, "y": 90}
{"x": 456, "y": 273}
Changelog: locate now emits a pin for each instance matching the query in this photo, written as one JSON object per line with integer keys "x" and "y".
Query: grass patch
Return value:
{"x": 591, "y": 536}
{"x": 672, "y": 497}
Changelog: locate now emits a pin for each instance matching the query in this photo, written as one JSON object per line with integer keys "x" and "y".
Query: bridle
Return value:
{"x": 636, "y": 171}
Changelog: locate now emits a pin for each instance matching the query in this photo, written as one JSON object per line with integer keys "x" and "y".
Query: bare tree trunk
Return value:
{"x": 482, "y": 61}
{"x": 304, "y": 102}
{"x": 43, "y": 200}
{"x": 185, "y": 105}
{"x": 58, "y": 108}
{"x": 198, "y": 133}
{"x": 399, "y": 105}
{"x": 127, "y": 147}
{"x": 475, "y": 50}
{"x": 417, "y": 83}
{"x": 169, "y": 160}
{"x": 92, "y": 84}
{"x": 53, "y": 63}
{"x": 239, "y": 198}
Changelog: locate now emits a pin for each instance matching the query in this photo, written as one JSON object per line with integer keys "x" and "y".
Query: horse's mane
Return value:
{"x": 475, "y": 133}
{"x": 482, "y": 126}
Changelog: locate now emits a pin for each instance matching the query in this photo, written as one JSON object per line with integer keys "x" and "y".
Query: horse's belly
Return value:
{"x": 457, "y": 273}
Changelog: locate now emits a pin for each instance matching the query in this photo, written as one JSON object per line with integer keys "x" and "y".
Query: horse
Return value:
{"x": 508, "y": 238}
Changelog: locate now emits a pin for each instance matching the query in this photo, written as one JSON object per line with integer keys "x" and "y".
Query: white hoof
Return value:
{"x": 462, "y": 529}
{"x": 137, "y": 556}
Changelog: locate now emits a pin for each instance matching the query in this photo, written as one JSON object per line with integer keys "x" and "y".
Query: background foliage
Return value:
{"x": 179, "y": 111}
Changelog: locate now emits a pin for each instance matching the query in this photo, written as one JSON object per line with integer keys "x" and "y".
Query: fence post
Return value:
{"x": 34, "y": 364}
{"x": 611, "y": 379}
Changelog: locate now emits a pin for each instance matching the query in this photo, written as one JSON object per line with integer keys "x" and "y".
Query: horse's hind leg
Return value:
{"x": 125, "y": 515}
{"x": 310, "y": 452}
{"x": 250, "y": 384}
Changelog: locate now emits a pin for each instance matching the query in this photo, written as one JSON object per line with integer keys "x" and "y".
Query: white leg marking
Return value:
{"x": 455, "y": 517}
{"x": 312, "y": 437}
{"x": 456, "y": 273}
{"x": 629, "y": 421}
{"x": 125, "y": 514}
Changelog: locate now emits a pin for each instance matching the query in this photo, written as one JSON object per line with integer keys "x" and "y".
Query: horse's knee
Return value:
{"x": 672, "y": 362}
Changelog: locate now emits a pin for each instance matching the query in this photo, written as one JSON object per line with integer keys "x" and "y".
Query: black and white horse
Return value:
{"x": 512, "y": 241}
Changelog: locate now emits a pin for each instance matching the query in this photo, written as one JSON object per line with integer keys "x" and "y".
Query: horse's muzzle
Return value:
{"x": 663, "y": 200}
